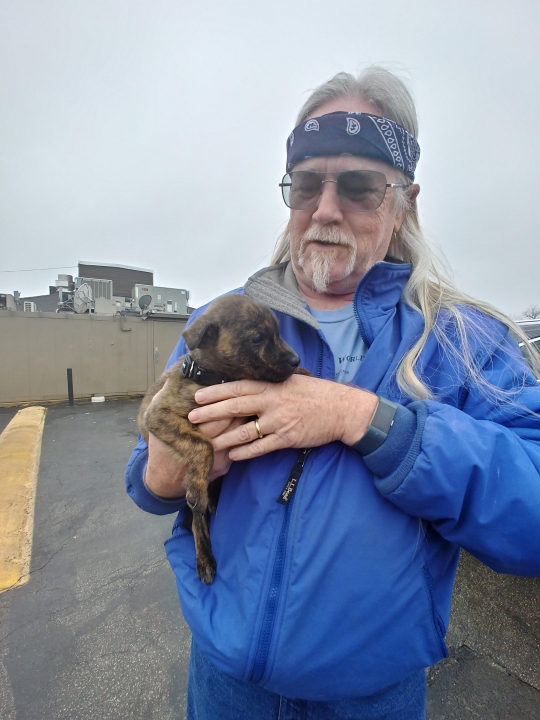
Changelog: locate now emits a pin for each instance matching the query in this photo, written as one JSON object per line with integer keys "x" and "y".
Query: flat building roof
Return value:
{"x": 115, "y": 265}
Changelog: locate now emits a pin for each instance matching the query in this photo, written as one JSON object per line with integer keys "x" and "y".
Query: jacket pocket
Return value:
{"x": 437, "y": 622}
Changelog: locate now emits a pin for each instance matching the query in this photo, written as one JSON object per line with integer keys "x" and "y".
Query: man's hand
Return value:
{"x": 300, "y": 412}
{"x": 165, "y": 472}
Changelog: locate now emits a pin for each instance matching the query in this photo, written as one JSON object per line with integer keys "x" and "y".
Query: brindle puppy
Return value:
{"x": 237, "y": 338}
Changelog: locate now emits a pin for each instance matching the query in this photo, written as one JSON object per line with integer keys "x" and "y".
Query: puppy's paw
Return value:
{"x": 206, "y": 569}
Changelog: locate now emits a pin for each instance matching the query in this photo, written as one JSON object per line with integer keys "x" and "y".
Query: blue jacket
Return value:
{"x": 347, "y": 588}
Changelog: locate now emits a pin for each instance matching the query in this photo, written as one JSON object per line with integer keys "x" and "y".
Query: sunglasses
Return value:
{"x": 358, "y": 190}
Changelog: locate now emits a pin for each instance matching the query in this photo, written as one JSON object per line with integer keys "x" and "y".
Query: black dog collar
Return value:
{"x": 200, "y": 375}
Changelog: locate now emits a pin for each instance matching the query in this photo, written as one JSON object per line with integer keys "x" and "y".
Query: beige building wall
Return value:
{"x": 109, "y": 355}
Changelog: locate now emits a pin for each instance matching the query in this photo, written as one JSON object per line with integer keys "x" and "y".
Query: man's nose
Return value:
{"x": 328, "y": 210}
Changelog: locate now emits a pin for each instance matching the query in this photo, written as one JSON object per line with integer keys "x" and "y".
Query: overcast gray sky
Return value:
{"x": 151, "y": 133}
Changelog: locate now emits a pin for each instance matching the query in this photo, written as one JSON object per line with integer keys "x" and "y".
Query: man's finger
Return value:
{"x": 268, "y": 444}
{"x": 225, "y": 391}
{"x": 240, "y": 435}
{"x": 235, "y": 407}
{"x": 214, "y": 428}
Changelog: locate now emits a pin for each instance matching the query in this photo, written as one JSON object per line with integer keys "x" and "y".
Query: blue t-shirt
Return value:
{"x": 341, "y": 332}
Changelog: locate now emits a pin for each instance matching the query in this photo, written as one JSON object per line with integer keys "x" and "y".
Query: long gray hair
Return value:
{"x": 429, "y": 289}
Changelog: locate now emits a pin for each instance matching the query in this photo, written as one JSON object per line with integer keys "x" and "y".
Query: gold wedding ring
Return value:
{"x": 258, "y": 429}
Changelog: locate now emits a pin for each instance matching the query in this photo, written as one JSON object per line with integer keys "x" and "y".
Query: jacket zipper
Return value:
{"x": 287, "y": 499}
{"x": 267, "y": 627}
{"x": 294, "y": 477}
{"x": 355, "y": 303}
{"x": 320, "y": 356}
{"x": 435, "y": 617}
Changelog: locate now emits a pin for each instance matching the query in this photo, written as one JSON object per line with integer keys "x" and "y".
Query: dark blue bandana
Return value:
{"x": 349, "y": 133}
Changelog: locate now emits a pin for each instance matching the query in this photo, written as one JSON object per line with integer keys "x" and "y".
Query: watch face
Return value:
{"x": 380, "y": 426}
{"x": 384, "y": 415}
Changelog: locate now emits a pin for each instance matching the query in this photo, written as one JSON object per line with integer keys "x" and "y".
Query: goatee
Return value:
{"x": 322, "y": 261}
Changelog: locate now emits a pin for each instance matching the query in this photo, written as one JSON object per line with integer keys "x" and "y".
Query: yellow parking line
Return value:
{"x": 20, "y": 451}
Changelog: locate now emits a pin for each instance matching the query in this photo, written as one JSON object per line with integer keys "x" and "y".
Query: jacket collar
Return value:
{"x": 276, "y": 286}
{"x": 376, "y": 296}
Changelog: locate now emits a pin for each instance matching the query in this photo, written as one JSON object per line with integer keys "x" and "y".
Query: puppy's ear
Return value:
{"x": 200, "y": 333}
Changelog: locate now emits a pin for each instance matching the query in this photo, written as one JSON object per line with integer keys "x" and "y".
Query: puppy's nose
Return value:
{"x": 293, "y": 360}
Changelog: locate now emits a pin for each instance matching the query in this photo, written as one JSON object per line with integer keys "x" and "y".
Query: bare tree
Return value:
{"x": 532, "y": 312}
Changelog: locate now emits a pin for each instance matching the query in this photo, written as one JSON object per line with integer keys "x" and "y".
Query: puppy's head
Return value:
{"x": 240, "y": 337}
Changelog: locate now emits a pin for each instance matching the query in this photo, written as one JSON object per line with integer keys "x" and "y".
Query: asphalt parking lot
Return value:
{"x": 97, "y": 631}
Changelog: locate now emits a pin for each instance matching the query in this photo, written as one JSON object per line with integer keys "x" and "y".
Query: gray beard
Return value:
{"x": 322, "y": 261}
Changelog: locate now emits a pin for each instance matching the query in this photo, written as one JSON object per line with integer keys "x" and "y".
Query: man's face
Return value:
{"x": 332, "y": 248}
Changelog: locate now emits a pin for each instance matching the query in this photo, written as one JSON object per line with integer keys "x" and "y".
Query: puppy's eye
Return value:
{"x": 257, "y": 339}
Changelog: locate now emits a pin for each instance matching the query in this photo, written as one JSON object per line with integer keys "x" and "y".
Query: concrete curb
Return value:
{"x": 20, "y": 452}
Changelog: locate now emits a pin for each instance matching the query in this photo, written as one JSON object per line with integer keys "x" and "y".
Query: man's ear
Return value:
{"x": 201, "y": 332}
{"x": 412, "y": 193}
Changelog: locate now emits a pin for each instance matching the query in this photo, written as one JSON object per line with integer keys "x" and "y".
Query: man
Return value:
{"x": 331, "y": 598}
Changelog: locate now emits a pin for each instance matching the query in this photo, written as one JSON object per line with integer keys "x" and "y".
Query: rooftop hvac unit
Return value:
{"x": 30, "y": 306}
{"x": 109, "y": 307}
{"x": 100, "y": 288}
{"x": 161, "y": 299}
{"x": 65, "y": 281}
{"x": 7, "y": 302}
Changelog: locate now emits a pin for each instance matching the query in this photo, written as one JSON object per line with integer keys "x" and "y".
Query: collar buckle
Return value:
{"x": 188, "y": 367}
{"x": 200, "y": 375}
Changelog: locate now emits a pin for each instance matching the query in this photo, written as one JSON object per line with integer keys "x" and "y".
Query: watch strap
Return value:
{"x": 380, "y": 426}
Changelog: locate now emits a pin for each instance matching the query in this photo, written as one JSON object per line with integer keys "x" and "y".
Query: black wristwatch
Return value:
{"x": 380, "y": 426}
